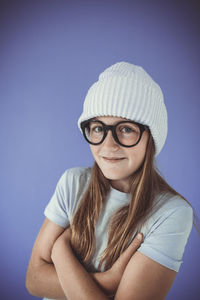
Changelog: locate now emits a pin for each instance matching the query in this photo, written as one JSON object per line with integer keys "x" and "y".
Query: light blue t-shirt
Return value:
{"x": 166, "y": 231}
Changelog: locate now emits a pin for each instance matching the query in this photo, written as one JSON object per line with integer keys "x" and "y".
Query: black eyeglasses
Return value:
{"x": 125, "y": 133}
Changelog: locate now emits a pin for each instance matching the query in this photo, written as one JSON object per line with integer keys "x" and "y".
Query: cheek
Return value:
{"x": 143, "y": 143}
{"x": 137, "y": 153}
{"x": 94, "y": 150}
{"x": 135, "y": 159}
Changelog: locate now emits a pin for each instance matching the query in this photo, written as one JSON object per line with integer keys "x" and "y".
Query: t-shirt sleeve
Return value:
{"x": 166, "y": 240}
{"x": 57, "y": 209}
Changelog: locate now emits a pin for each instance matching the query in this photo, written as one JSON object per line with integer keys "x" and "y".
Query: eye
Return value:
{"x": 126, "y": 129}
{"x": 96, "y": 128}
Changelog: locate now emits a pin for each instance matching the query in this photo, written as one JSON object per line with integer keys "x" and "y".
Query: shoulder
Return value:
{"x": 68, "y": 193}
{"x": 75, "y": 176}
{"x": 170, "y": 211}
{"x": 73, "y": 183}
{"x": 173, "y": 204}
{"x": 167, "y": 204}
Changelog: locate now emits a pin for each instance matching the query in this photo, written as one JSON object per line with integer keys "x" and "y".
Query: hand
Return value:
{"x": 117, "y": 269}
{"x": 110, "y": 279}
{"x": 66, "y": 235}
{"x": 63, "y": 239}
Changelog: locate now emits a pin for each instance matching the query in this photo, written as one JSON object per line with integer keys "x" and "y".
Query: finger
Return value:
{"x": 135, "y": 244}
{"x": 137, "y": 241}
{"x": 67, "y": 233}
{"x": 68, "y": 229}
{"x": 132, "y": 248}
{"x": 139, "y": 237}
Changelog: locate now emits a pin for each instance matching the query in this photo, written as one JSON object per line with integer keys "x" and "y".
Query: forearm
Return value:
{"x": 42, "y": 281}
{"x": 110, "y": 280}
{"x": 74, "y": 279}
{"x": 106, "y": 282}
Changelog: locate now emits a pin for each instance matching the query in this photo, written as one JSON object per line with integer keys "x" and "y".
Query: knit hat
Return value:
{"x": 127, "y": 91}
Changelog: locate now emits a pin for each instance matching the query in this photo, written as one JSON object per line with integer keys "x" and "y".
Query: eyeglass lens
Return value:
{"x": 127, "y": 133}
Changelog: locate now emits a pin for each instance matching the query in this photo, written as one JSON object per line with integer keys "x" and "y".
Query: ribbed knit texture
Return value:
{"x": 127, "y": 91}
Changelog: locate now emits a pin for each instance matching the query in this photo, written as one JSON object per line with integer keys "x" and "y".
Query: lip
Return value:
{"x": 113, "y": 159}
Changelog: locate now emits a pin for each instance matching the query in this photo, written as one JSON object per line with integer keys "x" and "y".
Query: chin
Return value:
{"x": 112, "y": 175}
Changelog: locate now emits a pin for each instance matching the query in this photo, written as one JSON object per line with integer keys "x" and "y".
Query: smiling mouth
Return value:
{"x": 113, "y": 159}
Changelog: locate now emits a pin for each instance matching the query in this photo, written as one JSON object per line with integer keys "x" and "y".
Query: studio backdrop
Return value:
{"x": 51, "y": 52}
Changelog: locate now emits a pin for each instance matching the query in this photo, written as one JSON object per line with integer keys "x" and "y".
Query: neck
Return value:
{"x": 121, "y": 186}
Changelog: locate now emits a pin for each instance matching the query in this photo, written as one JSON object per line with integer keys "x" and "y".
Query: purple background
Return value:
{"x": 50, "y": 53}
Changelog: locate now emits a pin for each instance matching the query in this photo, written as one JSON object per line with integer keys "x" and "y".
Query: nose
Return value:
{"x": 110, "y": 142}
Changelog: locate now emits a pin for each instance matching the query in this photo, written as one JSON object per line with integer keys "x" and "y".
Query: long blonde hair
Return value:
{"x": 145, "y": 184}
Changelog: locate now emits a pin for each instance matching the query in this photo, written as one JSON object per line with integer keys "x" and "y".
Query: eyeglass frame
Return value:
{"x": 106, "y": 128}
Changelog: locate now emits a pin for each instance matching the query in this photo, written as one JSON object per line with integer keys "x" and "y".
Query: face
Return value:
{"x": 116, "y": 162}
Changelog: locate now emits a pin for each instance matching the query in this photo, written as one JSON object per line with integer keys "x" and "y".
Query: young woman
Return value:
{"x": 87, "y": 247}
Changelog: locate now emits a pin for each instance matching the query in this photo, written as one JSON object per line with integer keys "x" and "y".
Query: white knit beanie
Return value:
{"x": 127, "y": 91}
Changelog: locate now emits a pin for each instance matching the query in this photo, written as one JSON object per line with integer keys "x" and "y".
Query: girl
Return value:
{"x": 87, "y": 247}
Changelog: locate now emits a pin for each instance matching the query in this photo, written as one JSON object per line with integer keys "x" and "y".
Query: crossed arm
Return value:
{"x": 54, "y": 272}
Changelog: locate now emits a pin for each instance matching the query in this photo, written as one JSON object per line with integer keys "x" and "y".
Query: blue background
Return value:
{"x": 50, "y": 53}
